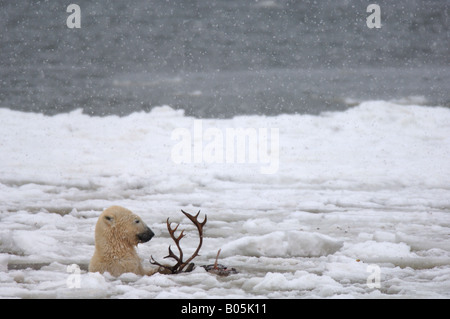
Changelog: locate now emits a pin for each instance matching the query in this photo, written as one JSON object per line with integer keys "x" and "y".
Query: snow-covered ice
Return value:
{"x": 358, "y": 194}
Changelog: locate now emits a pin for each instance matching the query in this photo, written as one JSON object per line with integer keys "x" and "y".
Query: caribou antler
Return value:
{"x": 180, "y": 265}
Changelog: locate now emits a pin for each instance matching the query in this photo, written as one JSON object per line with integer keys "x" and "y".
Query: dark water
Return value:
{"x": 220, "y": 58}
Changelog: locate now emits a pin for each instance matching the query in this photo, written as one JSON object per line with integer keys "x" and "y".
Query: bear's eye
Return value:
{"x": 108, "y": 218}
{"x": 136, "y": 221}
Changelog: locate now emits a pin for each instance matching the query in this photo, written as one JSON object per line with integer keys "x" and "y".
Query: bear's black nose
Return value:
{"x": 145, "y": 236}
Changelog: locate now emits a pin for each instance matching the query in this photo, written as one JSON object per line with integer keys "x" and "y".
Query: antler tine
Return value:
{"x": 177, "y": 243}
{"x": 154, "y": 262}
{"x": 172, "y": 231}
{"x": 179, "y": 266}
{"x": 179, "y": 260}
{"x": 194, "y": 219}
{"x": 199, "y": 225}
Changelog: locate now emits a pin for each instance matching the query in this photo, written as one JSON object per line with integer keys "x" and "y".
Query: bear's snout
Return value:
{"x": 146, "y": 235}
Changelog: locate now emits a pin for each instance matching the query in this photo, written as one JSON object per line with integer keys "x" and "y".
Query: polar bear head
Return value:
{"x": 118, "y": 227}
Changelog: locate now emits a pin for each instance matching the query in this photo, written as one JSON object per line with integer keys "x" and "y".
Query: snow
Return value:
{"x": 283, "y": 243}
{"x": 363, "y": 189}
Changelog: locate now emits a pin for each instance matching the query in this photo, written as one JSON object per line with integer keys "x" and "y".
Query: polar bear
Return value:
{"x": 117, "y": 232}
